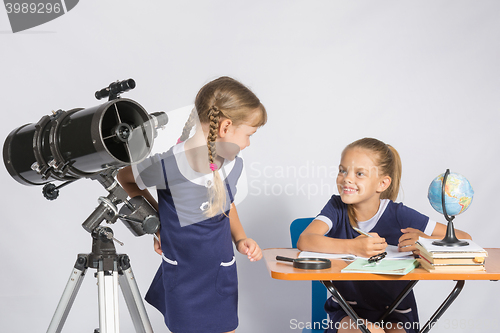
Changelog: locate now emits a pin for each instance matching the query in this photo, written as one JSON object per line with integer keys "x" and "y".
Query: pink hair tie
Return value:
{"x": 179, "y": 141}
{"x": 213, "y": 166}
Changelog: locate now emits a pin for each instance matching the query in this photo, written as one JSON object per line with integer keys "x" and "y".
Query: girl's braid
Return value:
{"x": 213, "y": 117}
{"x": 188, "y": 126}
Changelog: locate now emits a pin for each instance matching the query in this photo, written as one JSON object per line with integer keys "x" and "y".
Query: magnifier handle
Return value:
{"x": 280, "y": 258}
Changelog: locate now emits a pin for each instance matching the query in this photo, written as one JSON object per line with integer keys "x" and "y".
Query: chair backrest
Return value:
{"x": 297, "y": 227}
{"x": 319, "y": 293}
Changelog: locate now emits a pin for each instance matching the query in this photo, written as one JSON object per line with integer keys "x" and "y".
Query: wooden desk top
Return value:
{"x": 285, "y": 271}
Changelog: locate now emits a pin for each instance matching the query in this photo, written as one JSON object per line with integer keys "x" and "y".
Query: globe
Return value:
{"x": 458, "y": 194}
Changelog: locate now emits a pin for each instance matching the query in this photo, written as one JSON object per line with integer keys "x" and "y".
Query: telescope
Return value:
{"x": 93, "y": 143}
{"x": 79, "y": 143}
{"x": 89, "y": 143}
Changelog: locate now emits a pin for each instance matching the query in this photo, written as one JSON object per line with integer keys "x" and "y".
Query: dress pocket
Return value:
{"x": 227, "y": 278}
{"x": 169, "y": 273}
{"x": 349, "y": 302}
{"x": 403, "y": 310}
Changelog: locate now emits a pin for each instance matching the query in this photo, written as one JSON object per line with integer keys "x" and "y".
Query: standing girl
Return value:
{"x": 196, "y": 285}
{"x": 368, "y": 183}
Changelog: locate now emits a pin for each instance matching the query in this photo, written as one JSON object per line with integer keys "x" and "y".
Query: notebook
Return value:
{"x": 391, "y": 267}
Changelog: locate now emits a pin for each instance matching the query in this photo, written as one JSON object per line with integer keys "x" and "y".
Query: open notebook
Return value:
{"x": 384, "y": 266}
{"x": 392, "y": 253}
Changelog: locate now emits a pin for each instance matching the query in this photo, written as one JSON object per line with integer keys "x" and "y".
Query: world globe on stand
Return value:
{"x": 450, "y": 194}
{"x": 458, "y": 194}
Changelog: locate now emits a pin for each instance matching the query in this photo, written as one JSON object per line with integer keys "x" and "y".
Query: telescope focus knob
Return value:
{"x": 50, "y": 191}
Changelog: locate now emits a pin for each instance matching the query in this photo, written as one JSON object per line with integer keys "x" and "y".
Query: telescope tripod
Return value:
{"x": 111, "y": 268}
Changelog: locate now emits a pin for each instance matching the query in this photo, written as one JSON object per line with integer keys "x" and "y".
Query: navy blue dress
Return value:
{"x": 196, "y": 286}
{"x": 371, "y": 298}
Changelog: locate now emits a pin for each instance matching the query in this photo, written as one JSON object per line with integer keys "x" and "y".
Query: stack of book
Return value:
{"x": 441, "y": 259}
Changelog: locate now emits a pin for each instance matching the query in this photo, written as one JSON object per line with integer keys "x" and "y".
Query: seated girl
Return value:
{"x": 368, "y": 183}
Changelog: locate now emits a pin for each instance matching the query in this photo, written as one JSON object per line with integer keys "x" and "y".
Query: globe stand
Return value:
{"x": 450, "y": 239}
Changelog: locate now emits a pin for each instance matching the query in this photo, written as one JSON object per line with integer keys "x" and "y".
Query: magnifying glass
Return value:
{"x": 307, "y": 263}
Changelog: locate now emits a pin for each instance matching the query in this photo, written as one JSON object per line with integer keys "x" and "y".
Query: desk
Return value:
{"x": 285, "y": 271}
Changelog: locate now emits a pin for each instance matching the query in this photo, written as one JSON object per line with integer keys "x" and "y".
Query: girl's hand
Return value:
{"x": 157, "y": 244}
{"x": 249, "y": 247}
{"x": 409, "y": 238}
{"x": 364, "y": 246}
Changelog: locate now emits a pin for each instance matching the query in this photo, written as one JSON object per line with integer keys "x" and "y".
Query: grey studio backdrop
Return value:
{"x": 420, "y": 75}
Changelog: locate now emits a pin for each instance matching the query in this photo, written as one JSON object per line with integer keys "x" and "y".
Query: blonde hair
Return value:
{"x": 388, "y": 161}
{"x": 226, "y": 98}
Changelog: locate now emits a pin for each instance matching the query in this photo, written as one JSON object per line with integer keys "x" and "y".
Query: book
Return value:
{"x": 454, "y": 260}
{"x": 455, "y": 268}
{"x": 429, "y": 250}
{"x": 435, "y": 258}
{"x": 384, "y": 266}
{"x": 392, "y": 253}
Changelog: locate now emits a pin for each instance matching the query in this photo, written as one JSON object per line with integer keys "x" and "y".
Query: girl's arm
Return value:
{"x": 440, "y": 232}
{"x": 411, "y": 235}
{"x": 243, "y": 244}
{"x": 127, "y": 181}
{"x": 313, "y": 239}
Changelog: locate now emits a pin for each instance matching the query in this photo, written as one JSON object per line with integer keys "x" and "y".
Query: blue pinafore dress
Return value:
{"x": 196, "y": 286}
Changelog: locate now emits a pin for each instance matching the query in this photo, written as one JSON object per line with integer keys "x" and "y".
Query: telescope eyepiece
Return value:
{"x": 160, "y": 119}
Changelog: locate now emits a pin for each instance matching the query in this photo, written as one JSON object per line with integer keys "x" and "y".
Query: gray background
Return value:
{"x": 422, "y": 76}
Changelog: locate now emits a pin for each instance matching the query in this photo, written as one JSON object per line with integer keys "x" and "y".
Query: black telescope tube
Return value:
{"x": 81, "y": 142}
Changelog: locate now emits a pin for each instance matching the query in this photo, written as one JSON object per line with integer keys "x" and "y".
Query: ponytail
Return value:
{"x": 395, "y": 170}
{"x": 352, "y": 216}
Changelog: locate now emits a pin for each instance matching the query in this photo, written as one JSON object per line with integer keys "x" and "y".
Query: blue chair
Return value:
{"x": 319, "y": 292}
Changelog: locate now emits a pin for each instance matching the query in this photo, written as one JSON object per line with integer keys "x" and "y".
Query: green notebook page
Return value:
{"x": 393, "y": 267}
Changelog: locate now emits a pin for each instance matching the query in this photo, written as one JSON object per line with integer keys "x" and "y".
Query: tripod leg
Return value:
{"x": 134, "y": 302}
{"x": 108, "y": 299}
{"x": 68, "y": 296}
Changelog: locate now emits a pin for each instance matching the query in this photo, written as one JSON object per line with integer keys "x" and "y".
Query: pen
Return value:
{"x": 362, "y": 232}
